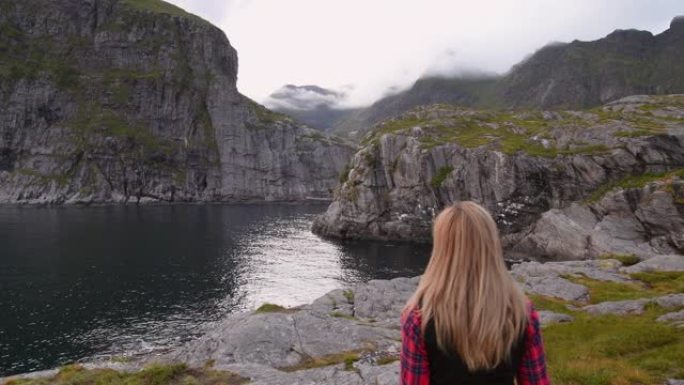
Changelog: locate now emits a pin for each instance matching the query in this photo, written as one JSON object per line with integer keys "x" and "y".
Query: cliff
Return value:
{"x": 136, "y": 100}
{"x": 604, "y": 178}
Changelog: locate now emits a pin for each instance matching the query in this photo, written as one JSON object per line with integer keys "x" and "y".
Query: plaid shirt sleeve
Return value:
{"x": 532, "y": 370}
{"x": 414, "y": 361}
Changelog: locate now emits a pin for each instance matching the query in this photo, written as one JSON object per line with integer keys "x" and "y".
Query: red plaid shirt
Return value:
{"x": 414, "y": 361}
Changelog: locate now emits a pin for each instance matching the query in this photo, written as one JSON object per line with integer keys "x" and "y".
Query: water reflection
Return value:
{"x": 78, "y": 282}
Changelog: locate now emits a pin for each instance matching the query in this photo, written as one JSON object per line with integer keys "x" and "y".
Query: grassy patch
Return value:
{"x": 625, "y": 259}
{"x": 662, "y": 281}
{"x": 632, "y": 181}
{"x": 615, "y": 350}
{"x": 346, "y": 358}
{"x": 386, "y": 360}
{"x": 441, "y": 176}
{"x": 153, "y": 375}
{"x": 601, "y": 291}
{"x": 338, "y": 314}
{"x": 527, "y": 132}
{"x": 271, "y": 308}
{"x": 264, "y": 115}
{"x": 349, "y": 295}
{"x": 158, "y": 6}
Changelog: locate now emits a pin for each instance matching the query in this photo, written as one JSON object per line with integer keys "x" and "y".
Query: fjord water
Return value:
{"x": 103, "y": 281}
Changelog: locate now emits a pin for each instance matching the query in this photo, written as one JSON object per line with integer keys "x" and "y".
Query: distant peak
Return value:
{"x": 678, "y": 21}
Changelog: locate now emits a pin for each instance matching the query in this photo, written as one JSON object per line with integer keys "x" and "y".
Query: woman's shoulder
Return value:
{"x": 411, "y": 315}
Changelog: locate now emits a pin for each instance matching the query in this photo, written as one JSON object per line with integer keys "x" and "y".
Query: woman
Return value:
{"x": 468, "y": 322}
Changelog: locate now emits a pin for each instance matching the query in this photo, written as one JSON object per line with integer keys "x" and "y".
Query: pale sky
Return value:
{"x": 365, "y": 47}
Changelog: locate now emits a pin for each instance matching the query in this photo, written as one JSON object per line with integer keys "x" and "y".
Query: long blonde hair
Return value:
{"x": 477, "y": 308}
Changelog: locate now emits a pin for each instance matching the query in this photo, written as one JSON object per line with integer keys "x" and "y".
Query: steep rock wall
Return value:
{"x": 136, "y": 100}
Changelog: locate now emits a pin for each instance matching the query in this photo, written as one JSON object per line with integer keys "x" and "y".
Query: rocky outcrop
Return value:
{"x": 352, "y": 335}
{"x": 121, "y": 100}
{"x": 561, "y": 185}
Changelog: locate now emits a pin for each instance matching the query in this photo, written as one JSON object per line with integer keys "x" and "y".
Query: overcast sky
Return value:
{"x": 368, "y": 46}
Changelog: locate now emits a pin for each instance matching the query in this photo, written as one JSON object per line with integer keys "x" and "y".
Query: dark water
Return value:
{"x": 83, "y": 282}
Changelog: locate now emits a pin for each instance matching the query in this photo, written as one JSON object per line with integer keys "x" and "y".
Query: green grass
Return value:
{"x": 386, "y": 360}
{"x": 662, "y": 282}
{"x": 615, "y": 350}
{"x": 158, "y": 6}
{"x": 61, "y": 179}
{"x": 441, "y": 176}
{"x": 270, "y": 308}
{"x": 601, "y": 291}
{"x": 178, "y": 374}
{"x": 625, "y": 259}
{"x": 349, "y": 295}
{"x": 346, "y": 358}
{"x": 508, "y": 132}
{"x": 632, "y": 181}
{"x": 264, "y": 115}
{"x": 338, "y": 314}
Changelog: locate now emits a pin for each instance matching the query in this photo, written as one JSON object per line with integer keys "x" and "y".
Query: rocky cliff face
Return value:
{"x": 135, "y": 100}
{"x": 560, "y": 184}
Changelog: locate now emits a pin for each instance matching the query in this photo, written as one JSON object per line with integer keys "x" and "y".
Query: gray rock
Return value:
{"x": 383, "y": 300}
{"x": 677, "y": 316}
{"x": 556, "y": 287}
{"x": 283, "y": 339}
{"x": 670, "y": 301}
{"x": 618, "y": 307}
{"x": 548, "y": 317}
{"x": 673, "y": 381}
{"x": 635, "y": 306}
{"x": 658, "y": 263}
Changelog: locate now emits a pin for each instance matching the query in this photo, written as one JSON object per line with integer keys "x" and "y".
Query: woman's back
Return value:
{"x": 469, "y": 322}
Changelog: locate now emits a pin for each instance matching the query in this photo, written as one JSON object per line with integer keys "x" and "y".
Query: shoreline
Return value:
{"x": 273, "y": 345}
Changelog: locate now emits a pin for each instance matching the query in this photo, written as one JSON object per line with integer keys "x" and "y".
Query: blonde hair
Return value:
{"x": 477, "y": 308}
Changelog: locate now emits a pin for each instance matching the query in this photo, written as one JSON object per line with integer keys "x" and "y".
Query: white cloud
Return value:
{"x": 377, "y": 44}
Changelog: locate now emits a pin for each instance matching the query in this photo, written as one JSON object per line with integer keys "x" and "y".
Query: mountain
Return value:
{"x": 559, "y": 76}
{"x": 312, "y": 105}
{"x": 136, "y": 100}
{"x": 586, "y": 74}
{"x": 560, "y": 184}
{"x": 476, "y": 90}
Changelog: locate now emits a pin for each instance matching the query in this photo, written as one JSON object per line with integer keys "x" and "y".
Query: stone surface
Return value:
{"x": 125, "y": 104}
{"x": 548, "y": 317}
{"x": 636, "y": 306}
{"x": 677, "y": 316}
{"x": 618, "y": 307}
{"x": 659, "y": 263}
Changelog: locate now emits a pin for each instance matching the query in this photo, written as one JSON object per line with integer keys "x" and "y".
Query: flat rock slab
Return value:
{"x": 548, "y": 317}
{"x": 383, "y": 300}
{"x": 658, "y": 263}
{"x": 677, "y": 316}
{"x": 618, "y": 307}
{"x": 557, "y": 287}
{"x": 636, "y": 306}
{"x": 284, "y": 339}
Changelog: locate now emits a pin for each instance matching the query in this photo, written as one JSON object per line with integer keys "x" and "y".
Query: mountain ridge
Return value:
{"x": 579, "y": 74}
